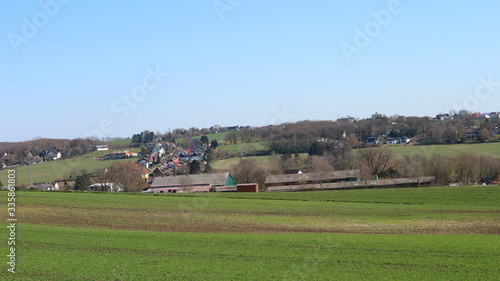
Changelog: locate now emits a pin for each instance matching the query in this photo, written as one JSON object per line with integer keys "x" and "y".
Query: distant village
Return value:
{"x": 166, "y": 166}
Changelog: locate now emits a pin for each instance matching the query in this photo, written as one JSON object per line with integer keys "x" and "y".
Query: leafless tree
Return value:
{"x": 126, "y": 174}
{"x": 249, "y": 171}
{"x": 319, "y": 164}
{"x": 365, "y": 173}
{"x": 466, "y": 168}
{"x": 101, "y": 177}
{"x": 484, "y": 135}
{"x": 274, "y": 165}
{"x": 185, "y": 182}
{"x": 377, "y": 160}
{"x": 417, "y": 167}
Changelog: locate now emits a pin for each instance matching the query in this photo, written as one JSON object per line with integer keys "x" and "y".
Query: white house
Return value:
{"x": 101, "y": 147}
{"x": 392, "y": 141}
{"x": 113, "y": 187}
{"x": 405, "y": 140}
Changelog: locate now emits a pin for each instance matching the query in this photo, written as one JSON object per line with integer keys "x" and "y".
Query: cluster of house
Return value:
{"x": 372, "y": 140}
{"x": 477, "y": 115}
{"x": 46, "y": 155}
{"x": 489, "y": 115}
{"x": 120, "y": 155}
{"x": 179, "y": 157}
{"x": 56, "y": 185}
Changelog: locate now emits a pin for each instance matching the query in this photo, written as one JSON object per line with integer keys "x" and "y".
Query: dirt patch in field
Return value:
{"x": 192, "y": 220}
{"x": 469, "y": 211}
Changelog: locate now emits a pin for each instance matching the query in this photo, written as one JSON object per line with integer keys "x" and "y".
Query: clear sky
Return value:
{"x": 77, "y": 68}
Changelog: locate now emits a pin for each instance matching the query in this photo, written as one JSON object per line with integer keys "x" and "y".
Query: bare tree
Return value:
{"x": 319, "y": 164}
{"x": 377, "y": 160}
{"x": 402, "y": 166}
{"x": 102, "y": 178}
{"x": 365, "y": 173}
{"x": 127, "y": 175}
{"x": 249, "y": 171}
{"x": 466, "y": 168}
{"x": 274, "y": 164}
{"x": 185, "y": 182}
{"x": 417, "y": 167}
{"x": 484, "y": 135}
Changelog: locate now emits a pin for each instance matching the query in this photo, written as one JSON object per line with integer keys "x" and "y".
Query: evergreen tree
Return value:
{"x": 195, "y": 167}
{"x": 204, "y": 139}
{"x": 214, "y": 144}
{"x": 209, "y": 155}
{"x": 82, "y": 182}
{"x": 208, "y": 168}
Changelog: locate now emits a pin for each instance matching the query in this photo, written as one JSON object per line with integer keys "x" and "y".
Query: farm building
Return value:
{"x": 110, "y": 186}
{"x": 120, "y": 155}
{"x": 336, "y": 180}
{"x": 311, "y": 178}
{"x": 247, "y": 187}
{"x": 193, "y": 183}
{"x": 101, "y": 147}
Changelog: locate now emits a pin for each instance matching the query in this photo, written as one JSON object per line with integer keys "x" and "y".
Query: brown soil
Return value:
{"x": 201, "y": 222}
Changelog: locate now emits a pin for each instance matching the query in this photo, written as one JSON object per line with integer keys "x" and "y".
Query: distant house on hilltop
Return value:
{"x": 51, "y": 154}
{"x": 101, "y": 147}
{"x": 120, "y": 155}
{"x": 371, "y": 140}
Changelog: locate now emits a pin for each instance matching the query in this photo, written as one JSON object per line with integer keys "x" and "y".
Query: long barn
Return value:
{"x": 193, "y": 183}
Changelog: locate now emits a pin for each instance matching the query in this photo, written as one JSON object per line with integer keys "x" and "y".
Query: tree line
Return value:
{"x": 299, "y": 137}
{"x": 373, "y": 163}
{"x": 68, "y": 148}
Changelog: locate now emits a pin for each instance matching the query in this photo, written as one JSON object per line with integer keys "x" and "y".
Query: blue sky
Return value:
{"x": 68, "y": 67}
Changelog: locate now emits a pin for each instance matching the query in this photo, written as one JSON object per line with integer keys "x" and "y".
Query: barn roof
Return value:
{"x": 321, "y": 176}
{"x": 220, "y": 179}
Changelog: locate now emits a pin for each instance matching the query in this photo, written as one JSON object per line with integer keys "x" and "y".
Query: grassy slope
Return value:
{"x": 81, "y": 236}
{"x": 226, "y": 164}
{"x": 489, "y": 149}
{"x": 243, "y": 147}
{"x": 218, "y": 136}
{"x": 50, "y": 171}
{"x": 120, "y": 142}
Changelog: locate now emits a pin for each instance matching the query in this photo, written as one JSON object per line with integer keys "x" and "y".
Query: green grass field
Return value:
{"x": 124, "y": 143}
{"x": 226, "y": 164}
{"x": 243, "y": 147}
{"x": 381, "y": 234}
{"x": 217, "y": 136}
{"x": 487, "y": 149}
